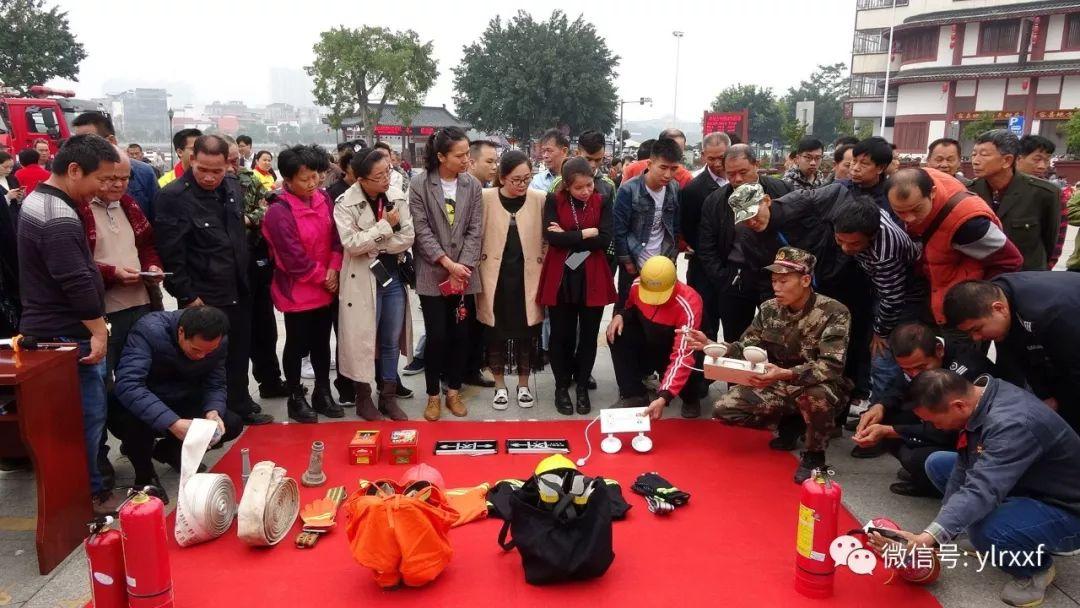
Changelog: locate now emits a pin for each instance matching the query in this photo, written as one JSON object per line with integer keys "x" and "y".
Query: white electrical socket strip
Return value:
{"x": 624, "y": 420}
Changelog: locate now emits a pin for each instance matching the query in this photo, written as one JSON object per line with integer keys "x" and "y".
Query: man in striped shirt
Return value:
{"x": 887, "y": 255}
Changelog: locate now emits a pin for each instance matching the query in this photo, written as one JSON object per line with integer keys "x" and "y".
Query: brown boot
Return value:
{"x": 388, "y": 402}
{"x": 433, "y": 408}
{"x": 456, "y": 405}
{"x": 365, "y": 407}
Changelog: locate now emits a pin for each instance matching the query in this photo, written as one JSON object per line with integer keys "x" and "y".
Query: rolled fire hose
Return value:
{"x": 206, "y": 503}
{"x": 269, "y": 506}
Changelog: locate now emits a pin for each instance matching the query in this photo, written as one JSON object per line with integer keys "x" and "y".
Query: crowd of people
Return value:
{"x": 874, "y": 292}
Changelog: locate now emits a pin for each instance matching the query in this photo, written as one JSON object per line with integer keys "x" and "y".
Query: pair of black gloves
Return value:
{"x": 661, "y": 495}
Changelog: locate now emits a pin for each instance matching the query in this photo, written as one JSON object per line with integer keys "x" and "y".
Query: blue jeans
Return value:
{"x": 389, "y": 321}
{"x": 1024, "y": 525}
{"x": 886, "y": 377}
{"x": 92, "y": 391}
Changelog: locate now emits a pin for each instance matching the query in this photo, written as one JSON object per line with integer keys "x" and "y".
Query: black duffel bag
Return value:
{"x": 562, "y": 541}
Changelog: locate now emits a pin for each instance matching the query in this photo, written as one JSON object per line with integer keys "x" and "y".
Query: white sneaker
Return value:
{"x": 501, "y": 400}
{"x": 306, "y": 371}
{"x": 524, "y": 397}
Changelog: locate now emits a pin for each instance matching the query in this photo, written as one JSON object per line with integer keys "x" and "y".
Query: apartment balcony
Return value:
{"x": 866, "y": 5}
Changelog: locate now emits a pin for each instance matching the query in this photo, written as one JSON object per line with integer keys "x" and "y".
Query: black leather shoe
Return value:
{"x": 273, "y": 390}
{"x": 299, "y": 408}
{"x": 323, "y": 402}
{"x": 909, "y": 488}
{"x": 872, "y": 451}
{"x": 584, "y": 405}
{"x": 562, "y": 401}
{"x": 346, "y": 390}
{"x": 904, "y": 475}
{"x": 691, "y": 409}
{"x": 788, "y": 432}
{"x": 478, "y": 379}
{"x": 807, "y": 464}
{"x": 256, "y": 419}
{"x": 403, "y": 392}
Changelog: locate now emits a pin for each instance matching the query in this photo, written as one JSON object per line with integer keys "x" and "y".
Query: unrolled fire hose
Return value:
{"x": 269, "y": 506}
{"x": 206, "y": 503}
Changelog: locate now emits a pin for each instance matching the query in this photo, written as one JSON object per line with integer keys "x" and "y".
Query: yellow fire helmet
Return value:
{"x": 553, "y": 463}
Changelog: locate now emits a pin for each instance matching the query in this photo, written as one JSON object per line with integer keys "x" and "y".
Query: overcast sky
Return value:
{"x": 224, "y": 50}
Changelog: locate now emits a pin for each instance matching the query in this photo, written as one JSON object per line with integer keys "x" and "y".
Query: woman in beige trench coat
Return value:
{"x": 374, "y": 320}
{"x": 511, "y": 257}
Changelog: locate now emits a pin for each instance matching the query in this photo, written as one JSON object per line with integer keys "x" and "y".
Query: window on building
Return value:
{"x": 870, "y": 41}
{"x": 868, "y": 4}
{"x": 919, "y": 46}
{"x": 1072, "y": 31}
{"x": 911, "y": 136}
{"x": 999, "y": 37}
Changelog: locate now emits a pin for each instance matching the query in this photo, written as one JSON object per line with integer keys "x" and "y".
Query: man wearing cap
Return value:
{"x": 732, "y": 255}
{"x": 647, "y": 335}
{"x": 805, "y": 335}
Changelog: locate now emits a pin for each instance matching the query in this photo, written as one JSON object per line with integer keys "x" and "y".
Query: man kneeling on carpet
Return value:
{"x": 1014, "y": 486}
{"x": 172, "y": 369}
{"x": 645, "y": 338}
{"x": 805, "y": 335}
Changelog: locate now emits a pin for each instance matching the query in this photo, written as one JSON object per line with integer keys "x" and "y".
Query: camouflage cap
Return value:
{"x": 793, "y": 259}
{"x": 745, "y": 201}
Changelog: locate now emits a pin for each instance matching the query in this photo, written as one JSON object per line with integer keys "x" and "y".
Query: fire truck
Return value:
{"x": 40, "y": 113}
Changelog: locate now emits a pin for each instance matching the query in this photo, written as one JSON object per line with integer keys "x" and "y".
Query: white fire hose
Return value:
{"x": 269, "y": 506}
{"x": 206, "y": 503}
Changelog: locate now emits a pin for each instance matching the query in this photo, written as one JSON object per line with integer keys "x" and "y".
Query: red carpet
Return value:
{"x": 734, "y": 544}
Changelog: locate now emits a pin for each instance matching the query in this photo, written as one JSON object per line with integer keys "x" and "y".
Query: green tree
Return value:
{"x": 1071, "y": 129}
{"x": 36, "y": 44}
{"x": 977, "y": 127}
{"x": 356, "y": 72}
{"x": 825, "y": 87}
{"x": 765, "y": 121}
{"x": 792, "y": 131}
{"x": 864, "y": 130}
{"x": 524, "y": 76}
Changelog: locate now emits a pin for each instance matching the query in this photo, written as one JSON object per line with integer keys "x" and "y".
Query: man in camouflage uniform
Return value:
{"x": 264, "y": 361}
{"x": 805, "y": 335}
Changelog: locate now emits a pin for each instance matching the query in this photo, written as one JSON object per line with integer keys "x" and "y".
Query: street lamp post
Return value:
{"x": 675, "y": 105}
{"x": 622, "y": 103}
{"x": 888, "y": 65}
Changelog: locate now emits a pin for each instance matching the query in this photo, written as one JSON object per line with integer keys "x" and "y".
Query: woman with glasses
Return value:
{"x": 375, "y": 323}
{"x": 576, "y": 283}
{"x": 263, "y": 165}
{"x": 304, "y": 246}
{"x": 447, "y": 214}
{"x": 512, "y": 254}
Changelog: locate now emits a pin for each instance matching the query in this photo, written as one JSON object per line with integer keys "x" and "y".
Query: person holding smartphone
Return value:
{"x": 10, "y": 307}
{"x": 374, "y": 321}
{"x": 447, "y": 213}
{"x": 306, "y": 251}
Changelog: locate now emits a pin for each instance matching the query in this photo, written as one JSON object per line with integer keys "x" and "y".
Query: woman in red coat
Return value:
{"x": 576, "y": 282}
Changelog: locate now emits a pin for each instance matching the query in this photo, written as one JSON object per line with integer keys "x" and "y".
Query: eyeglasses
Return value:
{"x": 377, "y": 177}
{"x": 518, "y": 181}
{"x": 811, "y": 158}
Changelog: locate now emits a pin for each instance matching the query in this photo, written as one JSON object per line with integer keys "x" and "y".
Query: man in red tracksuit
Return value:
{"x": 644, "y": 338}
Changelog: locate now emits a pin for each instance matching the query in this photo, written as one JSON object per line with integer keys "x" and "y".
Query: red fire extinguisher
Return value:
{"x": 146, "y": 552}
{"x": 105, "y": 553}
{"x": 819, "y": 511}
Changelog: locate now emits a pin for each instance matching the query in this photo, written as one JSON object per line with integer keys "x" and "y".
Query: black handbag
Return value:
{"x": 407, "y": 268}
{"x": 562, "y": 541}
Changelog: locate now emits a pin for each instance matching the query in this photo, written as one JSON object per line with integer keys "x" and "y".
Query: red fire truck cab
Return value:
{"x": 42, "y": 113}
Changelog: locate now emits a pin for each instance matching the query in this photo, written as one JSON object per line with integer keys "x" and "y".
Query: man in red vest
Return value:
{"x": 962, "y": 237}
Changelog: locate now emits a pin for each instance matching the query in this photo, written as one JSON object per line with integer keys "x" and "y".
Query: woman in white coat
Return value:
{"x": 374, "y": 224}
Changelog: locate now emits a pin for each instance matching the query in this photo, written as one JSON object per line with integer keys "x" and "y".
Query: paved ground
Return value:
{"x": 865, "y": 485}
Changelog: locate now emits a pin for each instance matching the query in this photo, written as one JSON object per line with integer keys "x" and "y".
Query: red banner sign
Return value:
{"x": 400, "y": 130}
{"x": 727, "y": 122}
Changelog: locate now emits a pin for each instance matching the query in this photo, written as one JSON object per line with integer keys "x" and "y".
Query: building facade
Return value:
{"x": 951, "y": 62}
{"x": 411, "y": 139}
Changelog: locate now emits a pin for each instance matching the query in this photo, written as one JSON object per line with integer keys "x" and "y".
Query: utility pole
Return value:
{"x": 888, "y": 65}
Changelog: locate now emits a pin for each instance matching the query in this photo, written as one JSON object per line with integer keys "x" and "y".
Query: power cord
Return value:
{"x": 581, "y": 461}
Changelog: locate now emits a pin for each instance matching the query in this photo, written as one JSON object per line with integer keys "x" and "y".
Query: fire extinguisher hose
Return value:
{"x": 206, "y": 504}
{"x": 269, "y": 505}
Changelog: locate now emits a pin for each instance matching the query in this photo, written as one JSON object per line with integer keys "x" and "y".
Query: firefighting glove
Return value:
{"x": 655, "y": 486}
